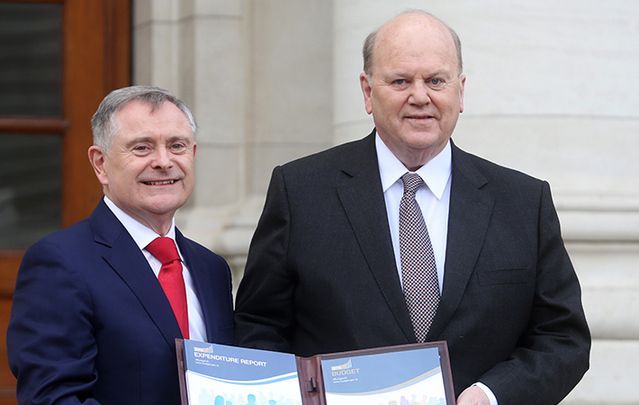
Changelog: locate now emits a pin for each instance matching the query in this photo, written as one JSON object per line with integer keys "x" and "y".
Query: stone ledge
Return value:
{"x": 614, "y": 225}
{"x": 612, "y": 378}
{"x": 609, "y": 276}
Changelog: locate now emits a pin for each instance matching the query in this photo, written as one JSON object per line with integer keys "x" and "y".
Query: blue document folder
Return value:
{"x": 214, "y": 374}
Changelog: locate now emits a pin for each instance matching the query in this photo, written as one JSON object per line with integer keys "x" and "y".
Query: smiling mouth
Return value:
{"x": 159, "y": 182}
{"x": 419, "y": 117}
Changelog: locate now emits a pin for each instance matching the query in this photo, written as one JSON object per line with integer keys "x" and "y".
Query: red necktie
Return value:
{"x": 171, "y": 279}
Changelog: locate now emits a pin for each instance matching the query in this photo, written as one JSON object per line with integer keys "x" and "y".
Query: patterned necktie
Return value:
{"x": 419, "y": 271}
{"x": 171, "y": 279}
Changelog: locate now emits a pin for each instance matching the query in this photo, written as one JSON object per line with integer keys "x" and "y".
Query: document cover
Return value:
{"x": 226, "y": 375}
{"x": 396, "y": 375}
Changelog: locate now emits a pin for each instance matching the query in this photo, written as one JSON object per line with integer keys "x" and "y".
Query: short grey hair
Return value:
{"x": 369, "y": 43}
{"x": 103, "y": 122}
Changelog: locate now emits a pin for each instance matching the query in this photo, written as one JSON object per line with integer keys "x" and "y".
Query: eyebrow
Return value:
{"x": 188, "y": 139}
{"x": 139, "y": 140}
{"x": 403, "y": 73}
{"x": 149, "y": 139}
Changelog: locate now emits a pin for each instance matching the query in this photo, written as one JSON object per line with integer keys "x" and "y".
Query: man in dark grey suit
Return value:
{"x": 329, "y": 268}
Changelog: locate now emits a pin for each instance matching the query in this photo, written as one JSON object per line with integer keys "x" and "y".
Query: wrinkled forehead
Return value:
{"x": 414, "y": 36}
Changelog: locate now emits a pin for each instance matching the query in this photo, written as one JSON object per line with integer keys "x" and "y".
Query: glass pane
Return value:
{"x": 30, "y": 59}
{"x": 30, "y": 188}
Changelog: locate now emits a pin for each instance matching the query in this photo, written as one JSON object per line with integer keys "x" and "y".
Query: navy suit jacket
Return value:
{"x": 321, "y": 274}
{"x": 90, "y": 323}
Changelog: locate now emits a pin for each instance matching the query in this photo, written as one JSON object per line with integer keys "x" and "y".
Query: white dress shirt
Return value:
{"x": 433, "y": 200}
{"x": 143, "y": 235}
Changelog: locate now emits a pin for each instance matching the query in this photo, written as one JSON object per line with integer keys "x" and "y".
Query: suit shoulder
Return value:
{"x": 327, "y": 158}
{"x": 72, "y": 238}
{"x": 496, "y": 173}
{"x": 65, "y": 253}
{"x": 202, "y": 251}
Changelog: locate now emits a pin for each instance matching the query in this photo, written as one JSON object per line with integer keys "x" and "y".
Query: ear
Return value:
{"x": 462, "y": 84}
{"x": 194, "y": 149}
{"x": 97, "y": 158}
{"x": 367, "y": 89}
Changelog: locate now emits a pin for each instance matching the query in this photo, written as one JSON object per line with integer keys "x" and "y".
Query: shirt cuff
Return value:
{"x": 491, "y": 397}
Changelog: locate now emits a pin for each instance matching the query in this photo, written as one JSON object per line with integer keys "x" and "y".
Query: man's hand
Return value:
{"x": 473, "y": 395}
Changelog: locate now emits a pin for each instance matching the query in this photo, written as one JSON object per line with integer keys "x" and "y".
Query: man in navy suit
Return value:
{"x": 325, "y": 270}
{"x": 90, "y": 322}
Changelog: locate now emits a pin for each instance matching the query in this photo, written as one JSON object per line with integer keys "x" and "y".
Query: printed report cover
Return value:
{"x": 409, "y": 377}
{"x": 225, "y": 375}
{"x": 412, "y": 374}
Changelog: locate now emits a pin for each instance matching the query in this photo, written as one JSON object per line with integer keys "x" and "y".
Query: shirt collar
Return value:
{"x": 141, "y": 234}
{"x": 435, "y": 173}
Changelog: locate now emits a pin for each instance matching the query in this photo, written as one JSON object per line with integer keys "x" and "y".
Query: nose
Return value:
{"x": 162, "y": 158}
{"x": 419, "y": 93}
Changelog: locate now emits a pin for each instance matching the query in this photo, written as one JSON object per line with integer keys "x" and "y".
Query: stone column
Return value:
{"x": 287, "y": 105}
{"x": 197, "y": 50}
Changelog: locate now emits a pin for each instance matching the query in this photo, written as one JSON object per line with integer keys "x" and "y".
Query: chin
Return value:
{"x": 165, "y": 206}
{"x": 423, "y": 140}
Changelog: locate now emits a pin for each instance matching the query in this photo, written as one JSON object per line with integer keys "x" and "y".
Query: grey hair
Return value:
{"x": 103, "y": 123}
{"x": 369, "y": 43}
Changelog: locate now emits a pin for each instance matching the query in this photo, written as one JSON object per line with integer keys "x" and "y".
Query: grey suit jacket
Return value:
{"x": 321, "y": 275}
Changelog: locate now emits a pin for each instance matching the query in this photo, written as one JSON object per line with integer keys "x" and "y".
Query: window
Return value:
{"x": 58, "y": 59}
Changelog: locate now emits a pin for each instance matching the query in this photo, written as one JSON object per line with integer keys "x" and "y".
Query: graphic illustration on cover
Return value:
{"x": 226, "y": 375}
{"x": 412, "y": 377}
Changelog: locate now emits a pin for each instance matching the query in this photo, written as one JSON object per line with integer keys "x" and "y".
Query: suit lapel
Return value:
{"x": 204, "y": 279}
{"x": 468, "y": 218}
{"x": 125, "y": 258}
{"x": 362, "y": 197}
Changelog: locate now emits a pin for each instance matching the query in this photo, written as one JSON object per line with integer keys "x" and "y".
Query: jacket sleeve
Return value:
{"x": 50, "y": 340}
{"x": 554, "y": 350}
{"x": 264, "y": 304}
